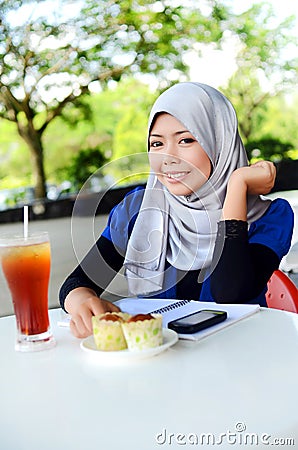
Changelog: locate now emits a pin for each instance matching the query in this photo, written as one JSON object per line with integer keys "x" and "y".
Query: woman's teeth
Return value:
{"x": 176, "y": 175}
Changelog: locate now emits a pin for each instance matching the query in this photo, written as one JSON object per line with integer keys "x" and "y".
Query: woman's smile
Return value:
{"x": 174, "y": 177}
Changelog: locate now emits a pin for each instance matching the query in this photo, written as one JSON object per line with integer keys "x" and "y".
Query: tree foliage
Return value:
{"x": 50, "y": 59}
{"x": 118, "y": 130}
{"x": 266, "y": 64}
{"x": 268, "y": 148}
{"x": 84, "y": 164}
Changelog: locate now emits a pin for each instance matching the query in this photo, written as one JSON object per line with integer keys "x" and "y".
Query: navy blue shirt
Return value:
{"x": 241, "y": 275}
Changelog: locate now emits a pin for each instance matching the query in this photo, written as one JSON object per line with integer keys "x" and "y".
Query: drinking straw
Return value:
{"x": 25, "y": 221}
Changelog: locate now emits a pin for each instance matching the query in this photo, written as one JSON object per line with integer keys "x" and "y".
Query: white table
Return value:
{"x": 244, "y": 376}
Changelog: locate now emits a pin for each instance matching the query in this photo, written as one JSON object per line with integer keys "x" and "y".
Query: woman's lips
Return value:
{"x": 175, "y": 177}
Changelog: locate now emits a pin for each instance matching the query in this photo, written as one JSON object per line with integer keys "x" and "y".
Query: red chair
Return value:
{"x": 282, "y": 292}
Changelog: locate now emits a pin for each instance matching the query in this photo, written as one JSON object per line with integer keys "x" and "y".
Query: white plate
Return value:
{"x": 170, "y": 337}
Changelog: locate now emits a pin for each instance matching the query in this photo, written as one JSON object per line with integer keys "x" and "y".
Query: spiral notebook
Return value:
{"x": 175, "y": 309}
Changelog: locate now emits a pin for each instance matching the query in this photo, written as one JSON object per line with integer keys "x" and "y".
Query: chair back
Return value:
{"x": 282, "y": 292}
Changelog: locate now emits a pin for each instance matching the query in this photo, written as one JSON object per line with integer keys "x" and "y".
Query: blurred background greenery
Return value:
{"x": 78, "y": 78}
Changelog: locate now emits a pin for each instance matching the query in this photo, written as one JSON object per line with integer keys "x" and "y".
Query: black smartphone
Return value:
{"x": 197, "y": 321}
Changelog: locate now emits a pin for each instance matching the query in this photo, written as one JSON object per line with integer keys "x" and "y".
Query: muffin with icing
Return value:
{"x": 143, "y": 331}
{"x": 107, "y": 331}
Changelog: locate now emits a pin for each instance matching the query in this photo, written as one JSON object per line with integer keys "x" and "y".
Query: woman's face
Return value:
{"x": 178, "y": 160}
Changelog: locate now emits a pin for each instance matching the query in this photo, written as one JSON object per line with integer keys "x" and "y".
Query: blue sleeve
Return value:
{"x": 122, "y": 218}
{"x": 275, "y": 228}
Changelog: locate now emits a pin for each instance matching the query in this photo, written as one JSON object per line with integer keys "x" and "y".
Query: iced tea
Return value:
{"x": 26, "y": 265}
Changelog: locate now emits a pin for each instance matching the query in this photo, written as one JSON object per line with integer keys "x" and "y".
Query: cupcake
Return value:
{"x": 107, "y": 331}
{"x": 143, "y": 331}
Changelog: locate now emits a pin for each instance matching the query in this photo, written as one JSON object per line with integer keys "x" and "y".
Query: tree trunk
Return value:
{"x": 34, "y": 142}
{"x": 38, "y": 168}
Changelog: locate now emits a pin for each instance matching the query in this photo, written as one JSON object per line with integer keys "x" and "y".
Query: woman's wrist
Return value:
{"x": 235, "y": 204}
{"x": 233, "y": 229}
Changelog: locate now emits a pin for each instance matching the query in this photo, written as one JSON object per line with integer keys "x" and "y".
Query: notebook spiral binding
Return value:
{"x": 170, "y": 307}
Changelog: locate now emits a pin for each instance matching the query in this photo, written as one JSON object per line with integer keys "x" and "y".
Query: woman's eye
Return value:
{"x": 187, "y": 140}
{"x": 155, "y": 144}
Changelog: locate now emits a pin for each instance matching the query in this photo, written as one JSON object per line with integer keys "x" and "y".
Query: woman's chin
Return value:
{"x": 178, "y": 189}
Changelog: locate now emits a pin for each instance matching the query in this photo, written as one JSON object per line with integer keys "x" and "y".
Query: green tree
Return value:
{"x": 84, "y": 164}
{"x": 280, "y": 119}
{"x": 269, "y": 148}
{"x": 274, "y": 135}
{"x": 130, "y": 130}
{"x": 106, "y": 130}
{"x": 266, "y": 66}
{"x": 49, "y": 60}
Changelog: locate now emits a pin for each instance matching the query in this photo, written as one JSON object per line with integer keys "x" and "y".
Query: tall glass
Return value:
{"x": 26, "y": 263}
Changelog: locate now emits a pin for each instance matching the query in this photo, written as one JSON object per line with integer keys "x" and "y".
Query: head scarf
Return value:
{"x": 182, "y": 230}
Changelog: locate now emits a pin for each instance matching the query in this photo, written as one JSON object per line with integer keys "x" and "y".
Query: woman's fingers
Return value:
{"x": 258, "y": 178}
{"x": 264, "y": 180}
{"x": 81, "y": 322}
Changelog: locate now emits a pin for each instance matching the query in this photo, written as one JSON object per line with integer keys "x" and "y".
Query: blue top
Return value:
{"x": 274, "y": 229}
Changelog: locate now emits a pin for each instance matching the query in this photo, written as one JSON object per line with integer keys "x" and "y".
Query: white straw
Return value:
{"x": 25, "y": 221}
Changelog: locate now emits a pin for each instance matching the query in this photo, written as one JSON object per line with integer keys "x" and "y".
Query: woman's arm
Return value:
{"x": 241, "y": 270}
{"x": 80, "y": 292}
{"x": 256, "y": 179}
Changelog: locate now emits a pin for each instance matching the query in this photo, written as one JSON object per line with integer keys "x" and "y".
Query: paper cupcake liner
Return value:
{"x": 143, "y": 334}
{"x": 108, "y": 335}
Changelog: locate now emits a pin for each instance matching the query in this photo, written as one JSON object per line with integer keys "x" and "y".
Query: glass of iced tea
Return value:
{"x": 26, "y": 263}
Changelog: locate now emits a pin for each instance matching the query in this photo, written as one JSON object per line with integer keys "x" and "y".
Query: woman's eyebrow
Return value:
{"x": 176, "y": 133}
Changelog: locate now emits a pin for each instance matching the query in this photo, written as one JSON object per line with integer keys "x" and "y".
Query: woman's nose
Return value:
{"x": 170, "y": 155}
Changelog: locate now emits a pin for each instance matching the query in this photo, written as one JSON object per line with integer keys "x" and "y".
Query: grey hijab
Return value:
{"x": 175, "y": 228}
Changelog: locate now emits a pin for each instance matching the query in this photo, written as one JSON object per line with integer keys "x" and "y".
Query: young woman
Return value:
{"x": 200, "y": 229}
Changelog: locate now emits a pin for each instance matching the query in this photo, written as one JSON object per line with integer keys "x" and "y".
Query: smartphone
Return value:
{"x": 197, "y": 321}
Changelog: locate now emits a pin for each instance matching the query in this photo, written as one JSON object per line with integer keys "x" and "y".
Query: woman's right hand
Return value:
{"x": 258, "y": 178}
{"x": 82, "y": 303}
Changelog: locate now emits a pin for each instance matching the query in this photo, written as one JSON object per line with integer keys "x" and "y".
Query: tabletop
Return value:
{"x": 237, "y": 387}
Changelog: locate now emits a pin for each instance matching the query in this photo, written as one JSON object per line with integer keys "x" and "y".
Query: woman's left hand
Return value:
{"x": 259, "y": 178}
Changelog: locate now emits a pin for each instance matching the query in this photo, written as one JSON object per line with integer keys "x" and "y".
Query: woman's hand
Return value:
{"x": 258, "y": 178}
{"x": 82, "y": 303}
